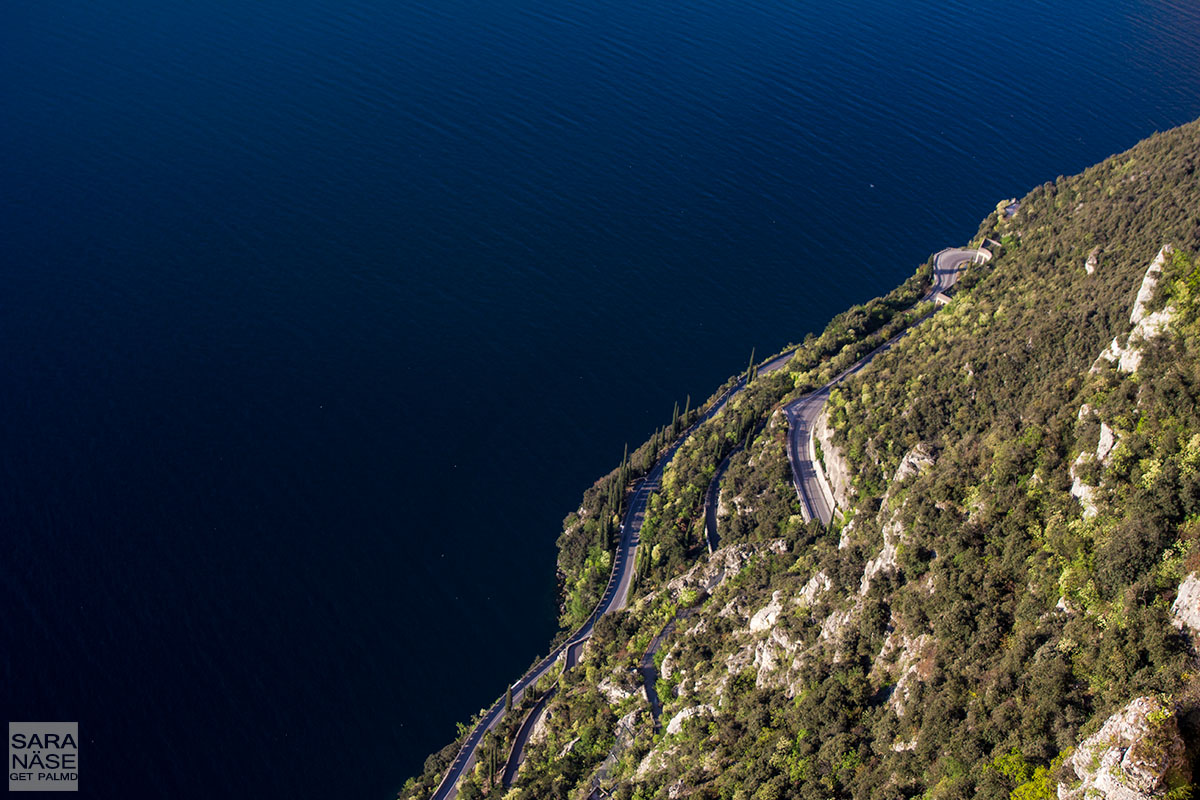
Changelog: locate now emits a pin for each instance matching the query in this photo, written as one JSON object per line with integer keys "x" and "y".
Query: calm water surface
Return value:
{"x": 316, "y": 318}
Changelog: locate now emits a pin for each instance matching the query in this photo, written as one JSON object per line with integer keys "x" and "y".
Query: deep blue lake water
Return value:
{"x": 316, "y": 318}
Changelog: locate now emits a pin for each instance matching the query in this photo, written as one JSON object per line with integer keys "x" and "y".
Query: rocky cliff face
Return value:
{"x": 1186, "y": 608}
{"x": 837, "y": 471}
{"x": 1138, "y": 754}
{"x": 1147, "y": 325}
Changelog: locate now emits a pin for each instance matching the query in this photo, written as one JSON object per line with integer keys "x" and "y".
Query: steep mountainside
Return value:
{"x": 1007, "y": 603}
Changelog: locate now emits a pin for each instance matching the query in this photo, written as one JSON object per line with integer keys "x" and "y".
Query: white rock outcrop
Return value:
{"x": 1186, "y": 609}
{"x": 909, "y": 652}
{"x": 541, "y": 728}
{"x": 836, "y": 469}
{"x": 836, "y": 623}
{"x": 817, "y": 584}
{"x": 614, "y": 693}
{"x": 706, "y": 576}
{"x": 1106, "y": 444}
{"x": 775, "y": 652}
{"x": 766, "y": 617}
{"x": 893, "y": 535}
{"x": 915, "y": 461}
{"x": 1146, "y": 325}
{"x": 1129, "y": 757}
{"x": 676, "y": 723}
{"x": 1080, "y": 490}
{"x": 1149, "y": 285}
{"x": 655, "y": 761}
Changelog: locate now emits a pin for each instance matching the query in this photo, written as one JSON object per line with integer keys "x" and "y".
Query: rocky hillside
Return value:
{"x": 1008, "y": 601}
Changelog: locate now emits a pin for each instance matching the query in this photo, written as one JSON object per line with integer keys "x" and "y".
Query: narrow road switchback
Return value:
{"x": 816, "y": 496}
{"x": 615, "y": 597}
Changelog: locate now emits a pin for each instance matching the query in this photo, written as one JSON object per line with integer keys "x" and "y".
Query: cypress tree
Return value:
{"x": 750, "y": 369}
{"x": 675, "y": 421}
{"x": 687, "y": 408}
{"x": 508, "y": 700}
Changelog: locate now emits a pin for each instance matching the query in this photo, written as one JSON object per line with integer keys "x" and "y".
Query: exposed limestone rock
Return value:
{"x": 1146, "y": 325}
{"x": 1109, "y": 354}
{"x": 844, "y": 538}
{"x": 915, "y": 461}
{"x": 739, "y": 661}
{"x": 893, "y": 534}
{"x": 775, "y": 656}
{"x": 836, "y": 469}
{"x": 1081, "y": 491}
{"x": 741, "y": 506}
{"x": 1153, "y": 325}
{"x": 568, "y": 747}
{"x": 714, "y": 682}
{"x": 541, "y": 728}
{"x": 768, "y": 615}
{"x": 667, "y": 669}
{"x": 1130, "y": 756}
{"x": 1186, "y": 609}
{"x": 1149, "y": 284}
{"x": 816, "y": 585}
{"x": 900, "y": 657}
{"x": 724, "y": 563}
{"x": 836, "y": 623}
{"x": 736, "y": 609}
{"x": 777, "y": 650}
{"x": 1093, "y": 261}
{"x": 655, "y": 761}
{"x": 676, "y": 723}
{"x": 1106, "y": 444}
{"x": 615, "y": 693}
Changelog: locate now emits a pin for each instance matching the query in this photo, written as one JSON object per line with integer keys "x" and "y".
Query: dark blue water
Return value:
{"x": 317, "y": 317}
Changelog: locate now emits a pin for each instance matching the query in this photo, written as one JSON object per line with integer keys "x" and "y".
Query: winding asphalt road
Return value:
{"x": 517, "y": 754}
{"x": 947, "y": 266}
{"x": 615, "y": 597}
{"x": 712, "y": 494}
{"x": 816, "y": 499}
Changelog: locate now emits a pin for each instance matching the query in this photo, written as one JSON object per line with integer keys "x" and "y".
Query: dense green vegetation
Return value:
{"x": 960, "y": 630}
